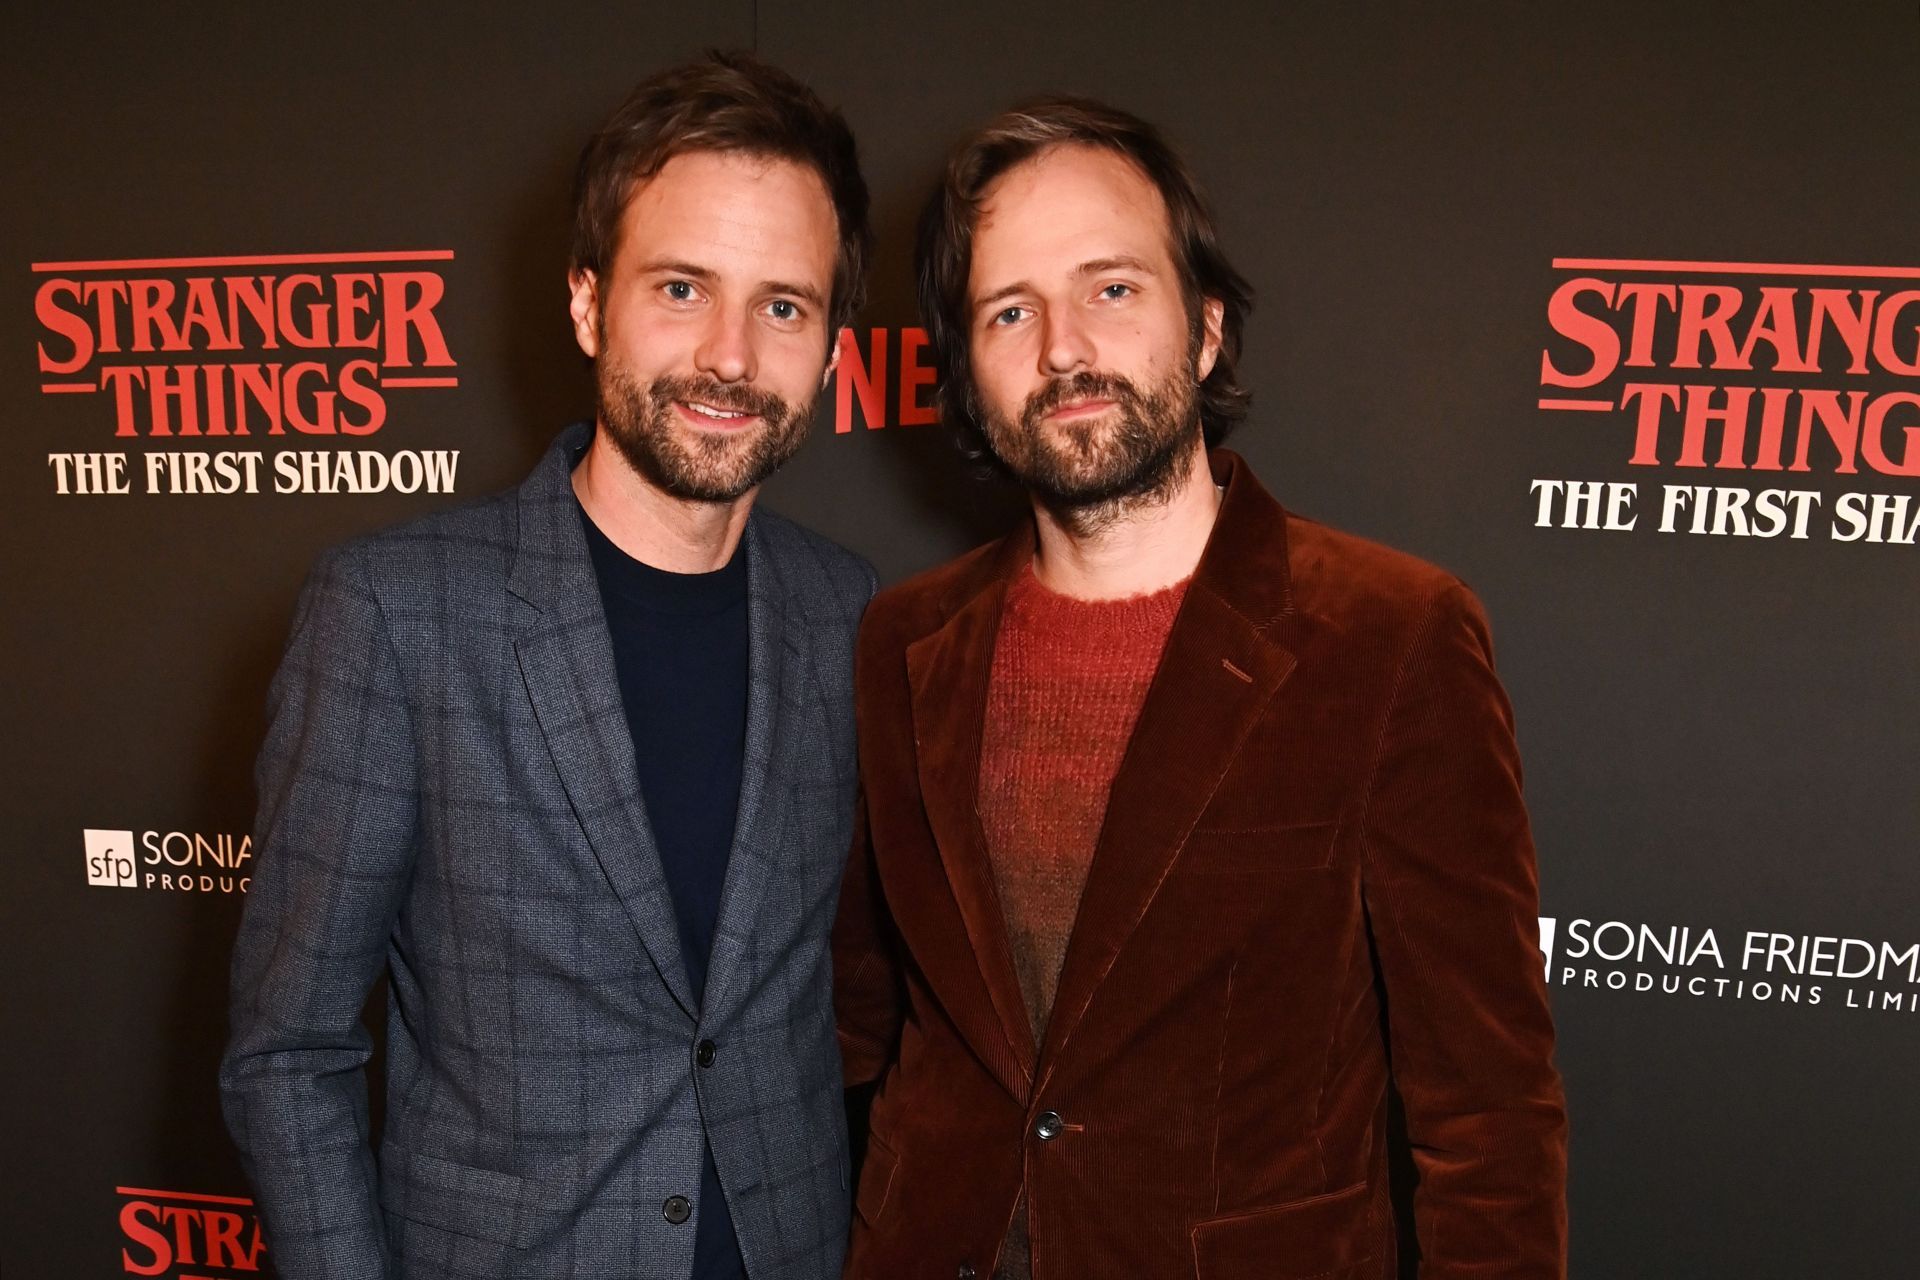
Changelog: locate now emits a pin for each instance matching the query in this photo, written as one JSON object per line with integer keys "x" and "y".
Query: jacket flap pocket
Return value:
{"x": 1319, "y": 1236}
{"x": 482, "y": 1203}
{"x": 876, "y": 1180}
{"x": 1243, "y": 850}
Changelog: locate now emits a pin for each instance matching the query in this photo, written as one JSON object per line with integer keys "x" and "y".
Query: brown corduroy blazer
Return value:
{"x": 1315, "y": 863}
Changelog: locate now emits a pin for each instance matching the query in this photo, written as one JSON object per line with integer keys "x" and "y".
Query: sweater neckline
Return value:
{"x": 1040, "y": 604}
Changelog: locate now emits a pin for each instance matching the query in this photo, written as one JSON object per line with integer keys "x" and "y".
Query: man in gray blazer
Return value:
{"x": 574, "y": 766}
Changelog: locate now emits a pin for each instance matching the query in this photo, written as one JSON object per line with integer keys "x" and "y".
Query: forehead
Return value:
{"x": 1068, "y": 205}
{"x": 718, "y": 209}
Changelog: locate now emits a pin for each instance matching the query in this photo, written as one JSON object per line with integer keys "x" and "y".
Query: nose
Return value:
{"x": 726, "y": 349}
{"x": 1065, "y": 346}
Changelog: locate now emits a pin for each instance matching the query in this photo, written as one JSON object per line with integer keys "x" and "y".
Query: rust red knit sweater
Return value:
{"x": 1068, "y": 679}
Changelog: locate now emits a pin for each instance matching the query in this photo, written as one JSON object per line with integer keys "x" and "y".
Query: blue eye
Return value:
{"x": 1008, "y": 316}
{"x": 680, "y": 291}
{"x": 1116, "y": 291}
{"x": 784, "y": 310}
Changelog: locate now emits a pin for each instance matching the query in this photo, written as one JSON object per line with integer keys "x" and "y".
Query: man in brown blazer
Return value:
{"x": 1188, "y": 823}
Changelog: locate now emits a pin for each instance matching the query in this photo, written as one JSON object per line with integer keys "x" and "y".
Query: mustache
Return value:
{"x": 738, "y": 398}
{"x": 1085, "y": 385}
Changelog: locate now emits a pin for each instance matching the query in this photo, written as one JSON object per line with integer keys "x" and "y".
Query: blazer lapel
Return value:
{"x": 1222, "y": 663}
{"x": 775, "y": 661}
{"x": 566, "y": 661}
{"x": 948, "y": 671}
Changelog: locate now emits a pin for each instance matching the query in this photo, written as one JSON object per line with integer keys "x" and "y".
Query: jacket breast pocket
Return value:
{"x": 483, "y": 1204}
{"x": 1258, "y": 850}
{"x": 1324, "y": 1237}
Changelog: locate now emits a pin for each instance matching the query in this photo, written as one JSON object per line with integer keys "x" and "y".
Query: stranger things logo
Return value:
{"x": 1773, "y": 400}
{"x": 252, "y": 374}
{"x": 185, "y": 1235}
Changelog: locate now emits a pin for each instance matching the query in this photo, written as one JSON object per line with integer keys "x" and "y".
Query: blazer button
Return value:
{"x": 677, "y": 1209}
{"x": 704, "y": 1051}
{"x": 1048, "y": 1126}
{"x": 966, "y": 1272}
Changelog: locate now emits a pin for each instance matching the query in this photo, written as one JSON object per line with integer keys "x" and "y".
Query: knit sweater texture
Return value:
{"x": 1068, "y": 680}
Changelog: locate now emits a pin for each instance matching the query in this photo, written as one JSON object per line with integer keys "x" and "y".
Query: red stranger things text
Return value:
{"x": 1822, "y": 374}
{"x": 187, "y": 1236}
{"x": 264, "y": 351}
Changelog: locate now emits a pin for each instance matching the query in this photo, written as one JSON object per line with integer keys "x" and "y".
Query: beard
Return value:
{"x": 643, "y": 425}
{"x": 1091, "y": 472}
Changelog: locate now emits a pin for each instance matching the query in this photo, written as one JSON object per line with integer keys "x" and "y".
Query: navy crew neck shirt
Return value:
{"x": 680, "y": 654}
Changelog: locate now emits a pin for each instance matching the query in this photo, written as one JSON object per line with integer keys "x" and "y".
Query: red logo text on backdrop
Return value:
{"x": 887, "y": 377}
{"x": 245, "y": 374}
{"x": 1809, "y": 375}
{"x": 185, "y": 1235}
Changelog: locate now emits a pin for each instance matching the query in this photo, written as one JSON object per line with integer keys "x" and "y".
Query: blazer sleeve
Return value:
{"x": 333, "y": 842}
{"x": 868, "y": 995}
{"x": 1452, "y": 901}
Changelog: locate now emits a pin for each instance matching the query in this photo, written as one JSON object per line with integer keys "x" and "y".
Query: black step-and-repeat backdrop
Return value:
{"x": 1612, "y": 309}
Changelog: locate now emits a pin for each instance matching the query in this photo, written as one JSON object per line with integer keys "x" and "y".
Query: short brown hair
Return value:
{"x": 943, "y": 258}
{"x": 730, "y": 102}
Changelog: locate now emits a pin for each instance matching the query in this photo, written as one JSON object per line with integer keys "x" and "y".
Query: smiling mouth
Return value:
{"x": 702, "y": 412}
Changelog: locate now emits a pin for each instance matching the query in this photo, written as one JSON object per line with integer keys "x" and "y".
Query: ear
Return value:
{"x": 1213, "y": 315}
{"x": 840, "y": 339}
{"x": 584, "y": 306}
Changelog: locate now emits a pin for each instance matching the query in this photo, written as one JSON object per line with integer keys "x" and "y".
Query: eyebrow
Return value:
{"x": 675, "y": 267}
{"x": 1092, "y": 267}
{"x": 1120, "y": 263}
{"x": 706, "y": 275}
{"x": 805, "y": 292}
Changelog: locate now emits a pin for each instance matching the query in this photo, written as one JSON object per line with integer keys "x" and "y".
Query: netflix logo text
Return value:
{"x": 887, "y": 377}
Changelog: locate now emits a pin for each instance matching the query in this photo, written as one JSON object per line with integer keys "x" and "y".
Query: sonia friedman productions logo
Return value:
{"x": 1771, "y": 400}
{"x": 1761, "y": 966}
{"x": 250, "y": 374}
{"x": 170, "y": 861}
{"x": 185, "y": 1235}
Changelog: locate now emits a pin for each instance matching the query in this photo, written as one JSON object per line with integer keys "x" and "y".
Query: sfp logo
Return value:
{"x": 110, "y": 859}
{"x": 176, "y": 861}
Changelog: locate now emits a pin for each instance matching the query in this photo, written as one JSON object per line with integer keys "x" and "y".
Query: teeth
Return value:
{"x": 710, "y": 412}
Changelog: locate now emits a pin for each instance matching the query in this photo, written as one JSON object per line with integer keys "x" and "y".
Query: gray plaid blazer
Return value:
{"x": 448, "y": 793}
